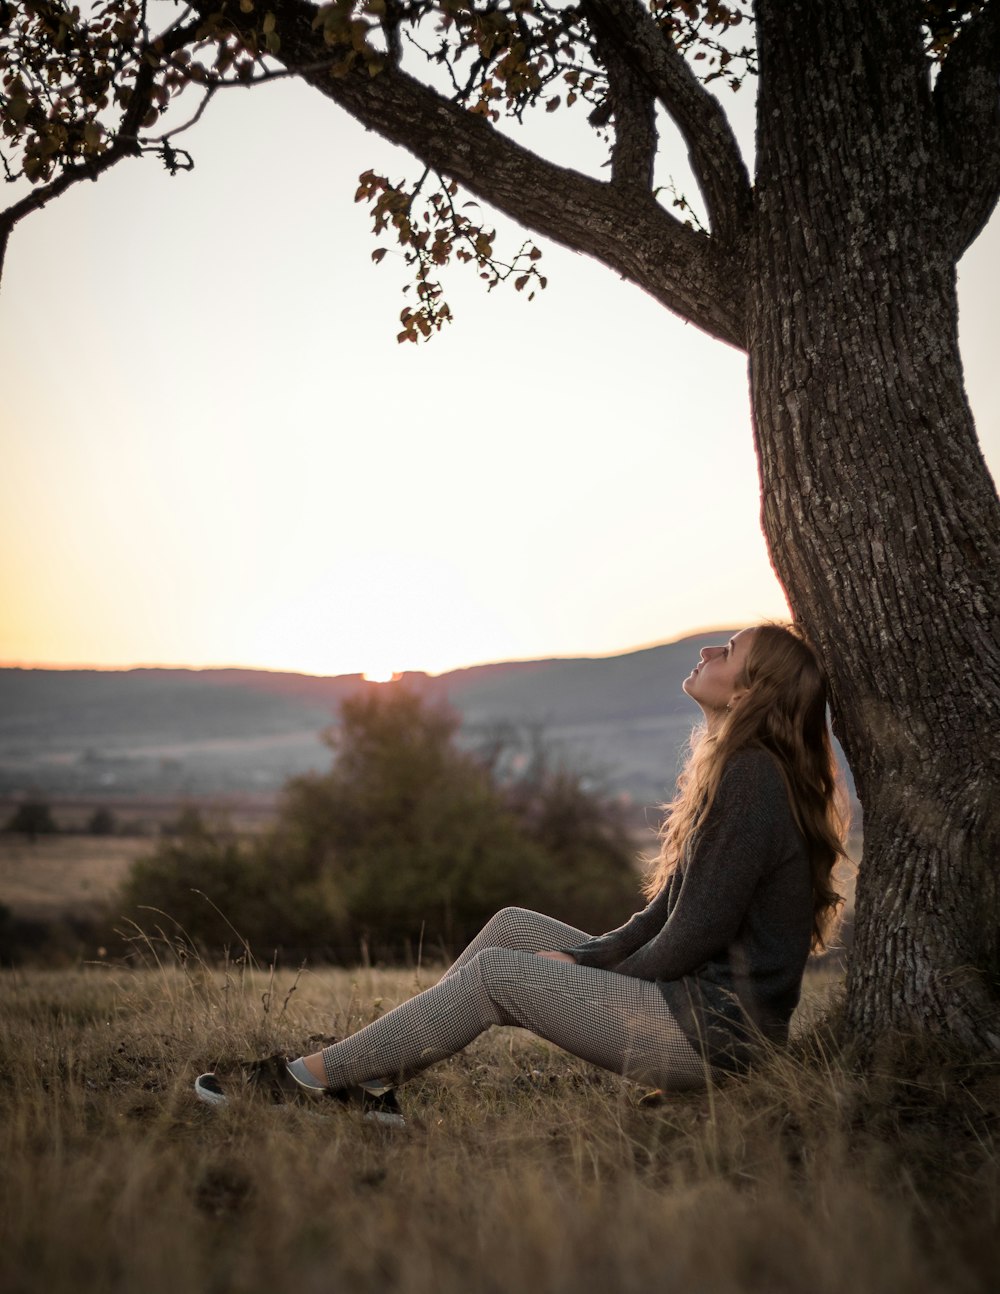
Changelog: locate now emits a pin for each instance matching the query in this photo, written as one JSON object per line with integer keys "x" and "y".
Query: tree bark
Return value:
{"x": 880, "y": 514}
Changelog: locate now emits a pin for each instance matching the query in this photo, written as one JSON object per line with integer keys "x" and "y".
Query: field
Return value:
{"x": 520, "y": 1168}
{"x": 57, "y": 874}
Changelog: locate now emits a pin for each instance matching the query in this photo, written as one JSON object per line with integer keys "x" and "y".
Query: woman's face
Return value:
{"x": 713, "y": 682}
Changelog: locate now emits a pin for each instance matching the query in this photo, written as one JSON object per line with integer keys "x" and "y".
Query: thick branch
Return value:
{"x": 632, "y": 234}
{"x": 633, "y": 104}
{"x": 967, "y": 99}
{"x": 715, "y": 157}
{"x": 625, "y": 229}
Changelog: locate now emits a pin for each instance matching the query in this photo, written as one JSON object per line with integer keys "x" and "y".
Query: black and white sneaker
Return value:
{"x": 270, "y": 1079}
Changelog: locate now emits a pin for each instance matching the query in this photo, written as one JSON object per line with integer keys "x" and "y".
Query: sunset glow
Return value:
{"x": 275, "y": 483}
{"x": 380, "y": 676}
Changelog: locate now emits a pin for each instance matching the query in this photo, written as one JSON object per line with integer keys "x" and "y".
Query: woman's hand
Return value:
{"x": 556, "y": 957}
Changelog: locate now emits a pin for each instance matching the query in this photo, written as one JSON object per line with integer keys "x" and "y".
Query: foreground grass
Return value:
{"x": 520, "y": 1169}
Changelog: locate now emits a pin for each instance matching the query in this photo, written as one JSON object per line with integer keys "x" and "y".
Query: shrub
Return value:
{"x": 406, "y": 838}
{"x": 584, "y": 835}
{"x": 33, "y": 818}
{"x": 223, "y": 892}
{"x": 102, "y": 823}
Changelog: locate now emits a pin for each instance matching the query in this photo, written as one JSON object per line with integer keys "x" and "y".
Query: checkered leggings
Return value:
{"x": 615, "y": 1021}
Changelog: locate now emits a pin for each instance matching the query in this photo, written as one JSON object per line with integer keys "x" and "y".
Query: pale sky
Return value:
{"x": 216, "y": 453}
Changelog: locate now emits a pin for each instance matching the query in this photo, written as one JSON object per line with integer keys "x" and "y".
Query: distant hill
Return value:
{"x": 188, "y": 731}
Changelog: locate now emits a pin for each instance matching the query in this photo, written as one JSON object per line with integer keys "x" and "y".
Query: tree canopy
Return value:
{"x": 87, "y": 85}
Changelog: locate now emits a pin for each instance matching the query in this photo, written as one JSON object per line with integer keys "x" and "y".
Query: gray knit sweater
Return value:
{"x": 727, "y": 937}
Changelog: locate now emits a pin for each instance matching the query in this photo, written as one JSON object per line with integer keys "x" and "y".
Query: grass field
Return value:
{"x": 55, "y": 874}
{"x": 520, "y": 1169}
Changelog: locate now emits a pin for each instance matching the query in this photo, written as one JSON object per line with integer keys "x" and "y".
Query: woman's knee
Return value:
{"x": 507, "y": 919}
{"x": 513, "y": 914}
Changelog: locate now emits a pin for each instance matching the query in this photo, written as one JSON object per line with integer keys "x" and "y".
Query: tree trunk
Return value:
{"x": 882, "y": 520}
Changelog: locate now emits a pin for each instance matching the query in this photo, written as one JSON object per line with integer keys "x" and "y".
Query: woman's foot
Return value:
{"x": 313, "y": 1067}
{"x": 376, "y": 1098}
{"x": 305, "y": 1077}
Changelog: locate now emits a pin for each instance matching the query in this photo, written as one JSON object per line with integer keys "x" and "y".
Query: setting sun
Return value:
{"x": 379, "y": 676}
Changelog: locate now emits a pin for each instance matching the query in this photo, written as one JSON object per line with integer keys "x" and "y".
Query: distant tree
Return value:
{"x": 204, "y": 879}
{"x": 188, "y": 821}
{"x": 32, "y": 818}
{"x": 410, "y": 827}
{"x": 582, "y": 828}
{"x": 102, "y": 822}
{"x": 407, "y": 838}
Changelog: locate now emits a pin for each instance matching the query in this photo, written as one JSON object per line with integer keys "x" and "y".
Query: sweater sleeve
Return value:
{"x": 606, "y": 951}
{"x": 729, "y": 856}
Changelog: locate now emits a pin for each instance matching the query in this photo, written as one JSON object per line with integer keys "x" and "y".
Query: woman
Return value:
{"x": 711, "y": 968}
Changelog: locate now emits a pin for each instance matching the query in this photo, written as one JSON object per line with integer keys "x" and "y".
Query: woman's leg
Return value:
{"x": 519, "y": 928}
{"x": 612, "y": 1020}
{"x": 515, "y": 928}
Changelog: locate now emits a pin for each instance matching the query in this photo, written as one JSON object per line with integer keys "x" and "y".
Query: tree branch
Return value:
{"x": 633, "y": 105}
{"x": 715, "y": 157}
{"x": 126, "y": 144}
{"x": 967, "y": 100}
{"x": 628, "y": 231}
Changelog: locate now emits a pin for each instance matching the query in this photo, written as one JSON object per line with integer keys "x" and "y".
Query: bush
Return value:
{"x": 33, "y": 818}
{"x": 102, "y": 823}
{"x": 223, "y": 892}
{"x": 411, "y": 828}
{"x": 406, "y": 838}
{"x": 584, "y": 835}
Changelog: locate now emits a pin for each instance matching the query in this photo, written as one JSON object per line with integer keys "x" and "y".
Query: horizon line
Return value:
{"x": 267, "y": 669}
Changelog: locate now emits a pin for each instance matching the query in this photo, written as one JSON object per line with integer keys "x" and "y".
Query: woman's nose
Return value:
{"x": 706, "y": 653}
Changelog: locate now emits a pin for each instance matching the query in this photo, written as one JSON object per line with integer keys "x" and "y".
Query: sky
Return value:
{"x": 216, "y": 453}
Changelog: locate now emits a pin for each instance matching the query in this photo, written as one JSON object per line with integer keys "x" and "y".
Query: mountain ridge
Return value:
{"x": 176, "y": 729}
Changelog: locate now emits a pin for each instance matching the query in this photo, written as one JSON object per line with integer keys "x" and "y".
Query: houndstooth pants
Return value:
{"x": 615, "y": 1021}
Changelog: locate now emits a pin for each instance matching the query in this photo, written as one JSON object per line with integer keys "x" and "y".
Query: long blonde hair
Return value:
{"x": 782, "y": 711}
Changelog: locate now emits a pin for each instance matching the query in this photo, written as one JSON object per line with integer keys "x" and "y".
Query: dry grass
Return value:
{"x": 520, "y": 1169}
{"x": 56, "y": 874}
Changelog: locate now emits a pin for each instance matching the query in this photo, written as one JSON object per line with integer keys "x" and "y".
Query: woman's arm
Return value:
{"x": 733, "y": 850}
{"x": 606, "y": 951}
